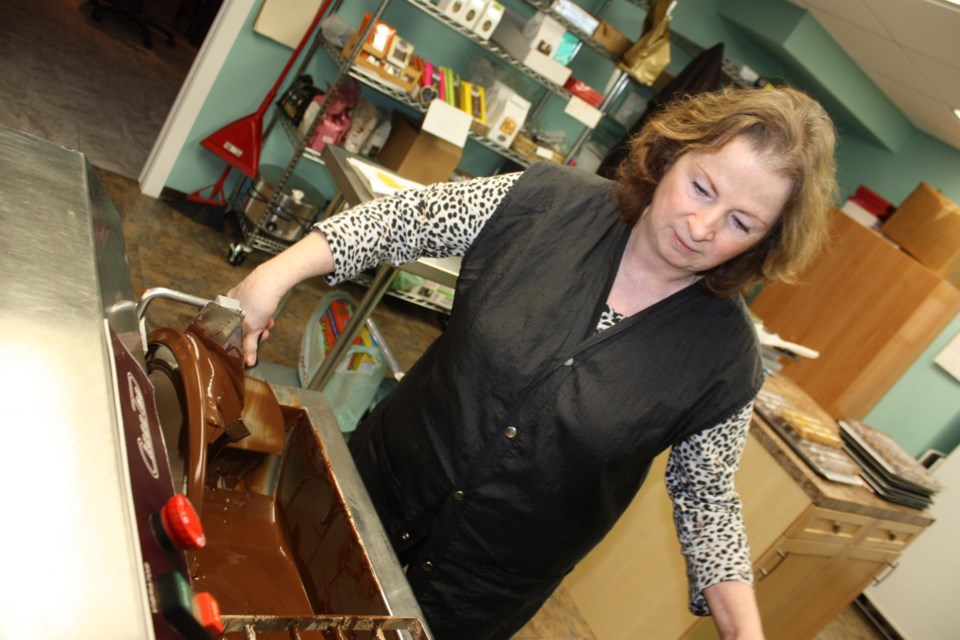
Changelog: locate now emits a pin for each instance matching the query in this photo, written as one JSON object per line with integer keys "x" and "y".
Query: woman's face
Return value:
{"x": 712, "y": 206}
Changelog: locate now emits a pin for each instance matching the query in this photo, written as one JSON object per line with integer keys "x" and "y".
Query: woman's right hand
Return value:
{"x": 260, "y": 292}
{"x": 259, "y": 298}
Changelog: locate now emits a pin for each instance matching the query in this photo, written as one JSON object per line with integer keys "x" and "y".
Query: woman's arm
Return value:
{"x": 436, "y": 221}
{"x": 734, "y": 610}
{"x": 710, "y": 525}
{"x": 260, "y": 292}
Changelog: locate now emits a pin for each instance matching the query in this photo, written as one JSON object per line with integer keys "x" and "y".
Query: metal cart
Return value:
{"x": 257, "y": 234}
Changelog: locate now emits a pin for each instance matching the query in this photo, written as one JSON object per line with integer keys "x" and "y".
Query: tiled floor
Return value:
{"x": 93, "y": 87}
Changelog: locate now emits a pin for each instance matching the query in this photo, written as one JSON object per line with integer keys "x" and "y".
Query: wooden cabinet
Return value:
{"x": 815, "y": 546}
{"x": 867, "y": 307}
{"x": 817, "y": 567}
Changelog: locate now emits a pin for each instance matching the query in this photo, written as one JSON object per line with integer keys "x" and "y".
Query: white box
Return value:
{"x": 489, "y": 19}
{"x": 453, "y": 8}
{"x": 509, "y": 35}
{"x": 861, "y": 215}
{"x": 577, "y": 16}
{"x": 544, "y": 34}
{"x": 583, "y": 111}
{"x": 472, "y": 13}
{"x": 506, "y": 113}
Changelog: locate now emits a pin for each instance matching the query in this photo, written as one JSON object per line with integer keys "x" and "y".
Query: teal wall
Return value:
{"x": 922, "y": 410}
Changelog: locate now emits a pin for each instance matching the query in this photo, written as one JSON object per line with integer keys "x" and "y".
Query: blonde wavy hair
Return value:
{"x": 795, "y": 138}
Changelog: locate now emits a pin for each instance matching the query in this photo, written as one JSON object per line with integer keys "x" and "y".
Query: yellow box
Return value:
{"x": 473, "y": 101}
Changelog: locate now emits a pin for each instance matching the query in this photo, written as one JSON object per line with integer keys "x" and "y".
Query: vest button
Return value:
{"x": 568, "y": 363}
{"x": 510, "y": 432}
{"x": 428, "y": 566}
{"x": 459, "y": 496}
{"x": 405, "y": 536}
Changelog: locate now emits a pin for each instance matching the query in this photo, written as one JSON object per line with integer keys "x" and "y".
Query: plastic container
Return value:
{"x": 353, "y": 387}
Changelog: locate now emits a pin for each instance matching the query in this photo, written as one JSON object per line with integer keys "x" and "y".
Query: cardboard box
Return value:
{"x": 569, "y": 45}
{"x": 506, "y": 113}
{"x": 544, "y": 34}
{"x": 453, "y": 8}
{"x": 472, "y": 13}
{"x": 581, "y": 89}
{"x": 533, "y": 151}
{"x": 473, "y": 101}
{"x": 509, "y": 35}
{"x": 418, "y": 156}
{"x": 488, "y": 20}
{"x": 576, "y": 15}
{"x": 927, "y": 226}
{"x": 406, "y": 78}
{"x": 611, "y": 38}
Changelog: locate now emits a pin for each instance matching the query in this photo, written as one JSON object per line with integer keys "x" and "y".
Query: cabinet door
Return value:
{"x": 780, "y": 576}
{"x": 842, "y": 579}
{"x": 633, "y": 584}
{"x": 807, "y": 578}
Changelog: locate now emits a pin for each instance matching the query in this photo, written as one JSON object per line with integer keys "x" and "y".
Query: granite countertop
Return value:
{"x": 828, "y": 494}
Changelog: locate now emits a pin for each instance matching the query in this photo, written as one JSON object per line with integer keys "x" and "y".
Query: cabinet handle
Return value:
{"x": 766, "y": 574}
{"x": 891, "y": 567}
{"x": 892, "y": 536}
{"x": 836, "y": 528}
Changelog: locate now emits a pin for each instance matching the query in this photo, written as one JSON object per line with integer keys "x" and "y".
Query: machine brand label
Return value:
{"x": 144, "y": 441}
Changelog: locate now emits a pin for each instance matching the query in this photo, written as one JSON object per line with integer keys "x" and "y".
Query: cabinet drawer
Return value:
{"x": 891, "y": 536}
{"x": 832, "y": 527}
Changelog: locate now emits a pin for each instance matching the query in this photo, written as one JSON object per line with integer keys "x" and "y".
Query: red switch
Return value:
{"x": 206, "y": 609}
{"x": 182, "y": 524}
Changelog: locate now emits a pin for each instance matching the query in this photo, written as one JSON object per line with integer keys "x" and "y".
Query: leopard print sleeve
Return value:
{"x": 436, "y": 221}
{"x": 706, "y": 507}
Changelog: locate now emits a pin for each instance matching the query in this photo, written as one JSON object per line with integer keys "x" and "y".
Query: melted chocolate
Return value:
{"x": 295, "y": 552}
{"x": 247, "y": 564}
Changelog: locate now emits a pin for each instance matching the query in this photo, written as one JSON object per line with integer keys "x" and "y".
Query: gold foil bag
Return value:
{"x": 650, "y": 55}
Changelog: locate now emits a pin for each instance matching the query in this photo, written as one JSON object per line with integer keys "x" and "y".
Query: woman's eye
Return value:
{"x": 740, "y": 225}
{"x": 699, "y": 190}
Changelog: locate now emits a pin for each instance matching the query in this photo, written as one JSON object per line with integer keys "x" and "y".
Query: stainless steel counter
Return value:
{"x": 70, "y": 551}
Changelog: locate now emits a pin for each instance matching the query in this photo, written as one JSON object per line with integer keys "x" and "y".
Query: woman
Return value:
{"x": 596, "y": 324}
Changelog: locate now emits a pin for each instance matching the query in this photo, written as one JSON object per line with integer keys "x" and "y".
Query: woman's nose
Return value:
{"x": 702, "y": 224}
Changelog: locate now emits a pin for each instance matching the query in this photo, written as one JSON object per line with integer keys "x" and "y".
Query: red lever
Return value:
{"x": 206, "y": 609}
{"x": 182, "y": 524}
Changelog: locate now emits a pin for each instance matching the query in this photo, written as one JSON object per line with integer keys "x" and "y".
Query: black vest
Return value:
{"x": 521, "y": 435}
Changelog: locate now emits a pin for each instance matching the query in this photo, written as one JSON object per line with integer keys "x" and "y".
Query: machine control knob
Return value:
{"x": 207, "y": 611}
{"x": 181, "y": 524}
{"x": 195, "y": 616}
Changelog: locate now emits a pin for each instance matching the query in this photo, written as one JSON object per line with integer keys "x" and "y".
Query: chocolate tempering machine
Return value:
{"x": 154, "y": 490}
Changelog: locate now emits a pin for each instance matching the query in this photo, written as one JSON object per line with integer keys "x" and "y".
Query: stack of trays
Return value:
{"x": 810, "y": 432}
{"x": 889, "y": 470}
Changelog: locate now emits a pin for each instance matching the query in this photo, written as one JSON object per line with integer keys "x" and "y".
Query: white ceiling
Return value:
{"x": 909, "y": 48}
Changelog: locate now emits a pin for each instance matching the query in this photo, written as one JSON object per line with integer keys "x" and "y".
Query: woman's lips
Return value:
{"x": 683, "y": 246}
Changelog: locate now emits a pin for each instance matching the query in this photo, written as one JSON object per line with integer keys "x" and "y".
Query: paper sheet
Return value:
{"x": 378, "y": 180}
{"x": 286, "y": 20}
{"x": 949, "y": 357}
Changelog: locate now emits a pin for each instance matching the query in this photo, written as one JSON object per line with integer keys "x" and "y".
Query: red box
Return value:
{"x": 583, "y": 91}
{"x": 872, "y": 202}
